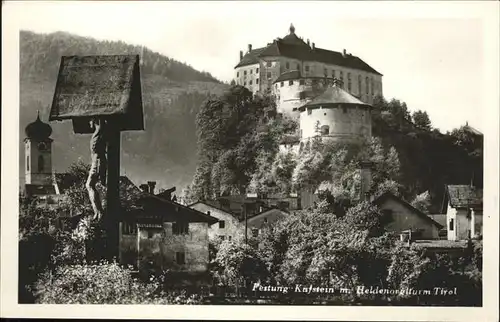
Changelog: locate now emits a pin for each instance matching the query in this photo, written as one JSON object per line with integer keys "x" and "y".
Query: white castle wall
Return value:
{"x": 345, "y": 122}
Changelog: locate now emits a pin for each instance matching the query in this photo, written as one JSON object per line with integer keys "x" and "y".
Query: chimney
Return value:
{"x": 314, "y": 46}
{"x": 366, "y": 180}
{"x": 208, "y": 212}
{"x": 249, "y": 47}
{"x": 344, "y": 53}
{"x": 308, "y": 43}
{"x": 151, "y": 185}
{"x": 241, "y": 54}
{"x": 144, "y": 187}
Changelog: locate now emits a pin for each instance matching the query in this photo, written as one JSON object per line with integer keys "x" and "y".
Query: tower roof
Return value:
{"x": 333, "y": 95}
{"x": 38, "y": 129}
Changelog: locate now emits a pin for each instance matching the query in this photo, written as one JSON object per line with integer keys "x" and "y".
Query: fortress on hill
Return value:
{"x": 327, "y": 91}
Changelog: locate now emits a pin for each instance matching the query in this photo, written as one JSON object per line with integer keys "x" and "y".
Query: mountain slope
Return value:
{"x": 172, "y": 95}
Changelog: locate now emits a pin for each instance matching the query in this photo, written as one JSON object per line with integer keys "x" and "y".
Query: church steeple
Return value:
{"x": 38, "y": 153}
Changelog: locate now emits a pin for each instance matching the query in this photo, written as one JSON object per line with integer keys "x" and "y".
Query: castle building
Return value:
{"x": 292, "y": 70}
{"x": 337, "y": 115}
{"x": 39, "y": 179}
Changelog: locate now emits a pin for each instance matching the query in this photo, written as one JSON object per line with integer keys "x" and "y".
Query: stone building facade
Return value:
{"x": 228, "y": 226}
{"x": 160, "y": 234}
{"x": 263, "y": 70}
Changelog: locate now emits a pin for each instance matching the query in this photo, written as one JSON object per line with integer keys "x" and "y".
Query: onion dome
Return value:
{"x": 38, "y": 129}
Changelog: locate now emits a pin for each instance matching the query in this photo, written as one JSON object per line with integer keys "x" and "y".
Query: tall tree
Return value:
{"x": 421, "y": 120}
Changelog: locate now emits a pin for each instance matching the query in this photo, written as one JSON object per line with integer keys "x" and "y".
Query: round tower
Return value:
{"x": 335, "y": 115}
{"x": 38, "y": 153}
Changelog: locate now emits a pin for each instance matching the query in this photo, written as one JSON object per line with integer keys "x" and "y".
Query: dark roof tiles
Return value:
{"x": 293, "y": 47}
{"x": 465, "y": 196}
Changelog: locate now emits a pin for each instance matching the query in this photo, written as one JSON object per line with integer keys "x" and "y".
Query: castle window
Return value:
{"x": 269, "y": 64}
{"x": 256, "y": 81}
{"x": 302, "y": 95}
{"x": 287, "y": 65}
{"x": 307, "y": 68}
{"x": 367, "y": 86}
{"x": 256, "y": 70}
{"x": 268, "y": 75}
{"x": 290, "y": 82}
{"x": 452, "y": 224}
{"x": 245, "y": 73}
{"x": 359, "y": 84}
{"x": 222, "y": 224}
{"x": 282, "y": 84}
{"x": 302, "y": 82}
{"x": 27, "y": 163}
{"x": 180, "y": 258}
{"x": 229, "y": 238}
{"x": 251, "y": 71}
{"x": 237, "y": 74}
{"x": 325, "y": 129}
{"x": 41, "y": 164}
{"x": 245, "y": 83}
{"x": 250, "y": 82}
{"x": 372, "y": 84}
{"x": 180, "y": 228}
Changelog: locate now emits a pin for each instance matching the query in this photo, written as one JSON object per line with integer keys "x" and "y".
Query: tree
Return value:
{"x": 422, "y": 202}
{"x": 421, "y": 120}
{"x": 237, "y": 263}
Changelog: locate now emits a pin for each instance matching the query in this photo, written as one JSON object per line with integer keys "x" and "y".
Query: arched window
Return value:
{"x": 325, "y": 130}
{"x": 41, "y": 164}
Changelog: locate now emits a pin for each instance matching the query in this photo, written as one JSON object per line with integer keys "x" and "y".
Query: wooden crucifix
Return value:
{"x": 101, "y": 95}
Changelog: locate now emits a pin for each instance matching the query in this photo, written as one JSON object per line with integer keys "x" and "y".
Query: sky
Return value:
{"x": 433, "y": 55}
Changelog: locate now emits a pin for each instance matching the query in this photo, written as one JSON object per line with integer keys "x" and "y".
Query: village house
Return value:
{"x": 263, "y": 219}
{"x": 403, "y": 217}
{"x": 463, "y": 205}
{"x": 160, "y": 234}
{"x": 229, "y": 227}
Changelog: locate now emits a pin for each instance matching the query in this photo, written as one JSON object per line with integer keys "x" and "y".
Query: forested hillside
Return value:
{"x": 410, "y": 157}
{"x": 172, "y": 95}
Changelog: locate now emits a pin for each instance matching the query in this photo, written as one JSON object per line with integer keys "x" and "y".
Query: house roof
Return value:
{"x": 292, "y": 46}
{"x": 141, "y": 202}
{"x": 464, "y": 196}
{"x": 207, "y": 203}
{"x": 333, "y": 95}
{"x": 472, "y": 130}
{"x": 439, "y": 218}
{"x": 388, "y": 195}
{"x": 90, "y": 86}
{"x": 266, "y": 212}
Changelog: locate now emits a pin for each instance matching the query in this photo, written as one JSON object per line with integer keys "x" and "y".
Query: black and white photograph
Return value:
{"x": 295, "y": 157}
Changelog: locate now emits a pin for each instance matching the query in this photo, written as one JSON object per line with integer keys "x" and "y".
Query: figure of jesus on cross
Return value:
{"x": 99, "y": 165}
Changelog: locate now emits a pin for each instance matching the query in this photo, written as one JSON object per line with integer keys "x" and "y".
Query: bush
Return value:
{"x": 104, "y": 283}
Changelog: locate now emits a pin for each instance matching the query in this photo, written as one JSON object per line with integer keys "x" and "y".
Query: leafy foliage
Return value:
{"x": 237, "y": 134}
{"x": 103, "y": 283}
